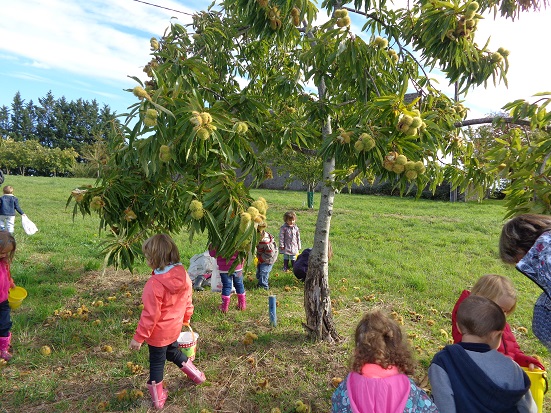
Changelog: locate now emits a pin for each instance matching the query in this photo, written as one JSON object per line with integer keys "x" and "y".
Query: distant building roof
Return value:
{"x": 410, "y": 97}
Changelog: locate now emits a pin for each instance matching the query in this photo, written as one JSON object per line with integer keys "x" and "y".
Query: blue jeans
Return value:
{"x": 262, "y": 274}
{"x": 159, "y": 355}
{"x": 236, "y": 278}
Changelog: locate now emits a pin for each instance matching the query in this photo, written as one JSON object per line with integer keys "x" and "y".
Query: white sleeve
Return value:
{"x": 442, "y": 392}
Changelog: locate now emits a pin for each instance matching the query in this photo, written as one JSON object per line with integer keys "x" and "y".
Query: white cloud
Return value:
{"x": 103, "y": 42}
{"x": 39, "y": 65}
{"x": 100, "y": 39}
{"x": 28, "y": 76}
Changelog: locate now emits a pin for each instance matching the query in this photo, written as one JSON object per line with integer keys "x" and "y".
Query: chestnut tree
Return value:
{"x": 247, "y": 75}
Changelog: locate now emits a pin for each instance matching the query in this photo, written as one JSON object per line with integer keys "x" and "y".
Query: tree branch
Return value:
{"x": 492, "y": 119}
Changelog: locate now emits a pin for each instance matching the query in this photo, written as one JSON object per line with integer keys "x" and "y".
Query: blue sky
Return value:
{"x": 87, "y": 49}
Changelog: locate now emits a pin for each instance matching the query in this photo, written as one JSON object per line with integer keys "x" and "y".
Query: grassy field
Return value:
{"x": 411, "y": 257}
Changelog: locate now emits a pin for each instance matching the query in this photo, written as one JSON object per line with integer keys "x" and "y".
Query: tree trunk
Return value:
{"x": 310, "y": 196}
{"x": 317, "y": 302}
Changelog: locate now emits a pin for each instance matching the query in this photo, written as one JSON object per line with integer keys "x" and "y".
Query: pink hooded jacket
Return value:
{"x": 167, "y": 305}
{"x": 378, "y": 390}
{"x": 223, "y": 264}
{"x": 6, "y": 281}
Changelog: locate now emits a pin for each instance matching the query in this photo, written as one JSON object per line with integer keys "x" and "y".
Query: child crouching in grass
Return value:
{"x": 472, "y": 376}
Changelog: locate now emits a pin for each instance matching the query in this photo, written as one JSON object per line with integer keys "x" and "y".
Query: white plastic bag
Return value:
{"x": 216, "y": 282}
{"x": 28, "y": 226}
{"x": 201, "y": 264}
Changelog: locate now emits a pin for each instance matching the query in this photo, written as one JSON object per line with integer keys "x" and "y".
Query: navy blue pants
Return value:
{"x": 5, "y": 319}
{"x": 159, "y": 355}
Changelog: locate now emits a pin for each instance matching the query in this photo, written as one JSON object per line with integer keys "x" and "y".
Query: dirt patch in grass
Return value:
{"x": 111, "y": 280}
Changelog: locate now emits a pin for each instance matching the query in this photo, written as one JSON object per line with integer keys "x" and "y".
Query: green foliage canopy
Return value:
{"x": 238, "y": 80}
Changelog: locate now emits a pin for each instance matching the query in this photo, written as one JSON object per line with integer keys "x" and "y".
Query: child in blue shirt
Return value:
{"x": 8, "y": 205}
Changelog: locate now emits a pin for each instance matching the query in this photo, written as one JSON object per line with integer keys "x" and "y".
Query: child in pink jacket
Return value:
{"x": 167, "y": 307}
{"x": 7, "y": 251}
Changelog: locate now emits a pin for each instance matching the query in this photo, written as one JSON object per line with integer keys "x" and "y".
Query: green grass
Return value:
{"x": 411, "y": 257}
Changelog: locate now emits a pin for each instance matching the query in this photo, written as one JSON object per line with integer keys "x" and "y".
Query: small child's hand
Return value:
{"x": 186, "y": 324}
{"x": 134, "y": 345}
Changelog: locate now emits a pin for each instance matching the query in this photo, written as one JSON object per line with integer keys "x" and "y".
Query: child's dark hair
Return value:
{"x": 479, "y": 316}
{"x": 161, "y": 251}
{"x": 6, "y": 240}
{"x": 379, "y": 340}
{"x": 519, "y": 234}
{"x": 289, "y": 215}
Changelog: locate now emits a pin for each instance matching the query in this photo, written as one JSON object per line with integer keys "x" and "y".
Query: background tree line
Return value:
{"x": 56, "y": 136}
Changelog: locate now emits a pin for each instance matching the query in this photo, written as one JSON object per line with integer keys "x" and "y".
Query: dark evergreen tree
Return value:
{"x": 4, "y": 121}
{"x": 16, "y": 118}
{"x": 46, "y": 123}
{"x": 56, "y": 123}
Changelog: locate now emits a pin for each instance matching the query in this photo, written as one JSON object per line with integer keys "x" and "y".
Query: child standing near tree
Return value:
{"x": 7, "y": 251}
{"x": 266, "y": 253}
{"x": 167, "y": 307}
{"x": 289, "y": 240}
{"x": 230, "y": 281}
{"x": 8, "y": 205}
{"x": 500, "y": 290}
{"x": 379, "y": 379}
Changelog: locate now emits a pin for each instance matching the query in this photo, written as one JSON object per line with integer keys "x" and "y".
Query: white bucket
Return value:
{"x": 187, "y": 341}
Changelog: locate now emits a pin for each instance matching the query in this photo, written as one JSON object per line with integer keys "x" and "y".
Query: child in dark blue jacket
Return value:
{"x": 8, "y": 205}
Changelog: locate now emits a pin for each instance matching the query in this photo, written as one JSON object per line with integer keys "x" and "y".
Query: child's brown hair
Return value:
{"x": 7, "y": 240}
{"x": 160, "y": 250}
{"x": 289, "y": 215}
{"x": 479, "y": 316}
{"x": 379, "y": 340}
{"x": 8, "y": 189}
{"x": 519, "y": 234}
{"x": 494, "y": 286}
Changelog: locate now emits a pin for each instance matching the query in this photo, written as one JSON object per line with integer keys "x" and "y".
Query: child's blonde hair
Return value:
{"x": 494, "y": 286}
{"x": 379, "y": 340}
{"x": 160, "y": 250}
{"x": 480, "y": 316}
{"x": 7, "y": 240}
{"x": 8, "y": 189}
{"x": 519, "y": 234}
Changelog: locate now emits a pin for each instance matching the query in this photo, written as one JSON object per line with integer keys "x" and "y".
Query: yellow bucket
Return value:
{"x": 187, "y": 341}
{"x": 538, "y": 386}
{"x": 16, "y": 296}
